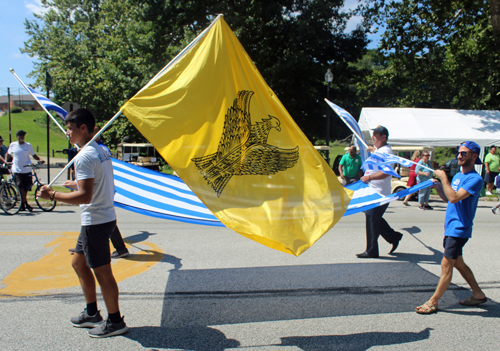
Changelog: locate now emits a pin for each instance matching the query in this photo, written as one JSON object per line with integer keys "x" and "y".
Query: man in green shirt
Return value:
{"x": 349, "y": 166}
{"x": 491, "y": 162}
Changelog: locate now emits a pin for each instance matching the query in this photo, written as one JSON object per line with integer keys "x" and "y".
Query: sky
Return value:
{"x": 13, "y": 36}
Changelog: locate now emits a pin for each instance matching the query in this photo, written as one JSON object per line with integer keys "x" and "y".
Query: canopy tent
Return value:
{"x": 434, "y": 127}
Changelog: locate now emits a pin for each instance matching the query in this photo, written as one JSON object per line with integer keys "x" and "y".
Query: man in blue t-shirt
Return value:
{"x": 462, "y": 196}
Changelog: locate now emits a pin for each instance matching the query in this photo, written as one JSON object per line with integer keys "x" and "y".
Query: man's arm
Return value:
{"x": 374, "y": 176}
{"x": 452, "y": 195}
{"x": 341, "y": 170}
{"x": 83, "y": 195}
{"x": 38, "y": 158}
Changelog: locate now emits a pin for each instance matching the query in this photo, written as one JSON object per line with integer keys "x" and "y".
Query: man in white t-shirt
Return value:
{"x": 375, "y": 223}
{"x": 21, "y": 151}
{"x": 94, "y": 193}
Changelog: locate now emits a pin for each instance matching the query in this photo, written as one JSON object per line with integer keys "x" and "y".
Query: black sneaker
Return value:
{"x": 86, "y": 321}
{"x": 427, "y": 207}
{"x": 108, "y": 328}
{"x": 29, "y": 208}
{"x": 120, "y": 254}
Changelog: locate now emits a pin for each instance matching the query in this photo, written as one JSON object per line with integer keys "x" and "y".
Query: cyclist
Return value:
{"x": 20, "y": 151}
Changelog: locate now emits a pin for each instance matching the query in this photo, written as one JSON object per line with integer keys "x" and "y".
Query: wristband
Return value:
{"x": 52, "y": 195}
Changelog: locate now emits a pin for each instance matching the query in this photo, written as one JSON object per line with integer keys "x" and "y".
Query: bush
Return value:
{"x": 16, "y": 109}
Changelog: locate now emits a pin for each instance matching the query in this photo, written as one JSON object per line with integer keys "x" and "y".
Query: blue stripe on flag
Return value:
{"x": 48, "y": 104}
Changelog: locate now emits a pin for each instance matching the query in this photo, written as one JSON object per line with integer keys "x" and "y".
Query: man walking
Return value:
{"x": 349, "y": 166}
{"x": 95, "y": 192}
{"x": 20, "y": 151}
{"x": 462, "y": 196}
{"x": 381, "y": 182}
{"x": 491, "y": 163}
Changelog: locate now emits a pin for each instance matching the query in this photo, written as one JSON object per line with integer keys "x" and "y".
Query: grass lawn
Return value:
{"x": 36, "y": 132}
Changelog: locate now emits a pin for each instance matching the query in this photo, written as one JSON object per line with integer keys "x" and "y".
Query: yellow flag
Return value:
{"x": 217, "y": 123}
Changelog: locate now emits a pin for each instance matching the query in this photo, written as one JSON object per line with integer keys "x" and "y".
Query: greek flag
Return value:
{"x": 380, "y": 161}
{"x": 390, "y": 159}
{"x": 365, "y": 197}
{"x": 159, "y": 195}
{"x": 47, "y": 103}
{"x": 353, "y": 126}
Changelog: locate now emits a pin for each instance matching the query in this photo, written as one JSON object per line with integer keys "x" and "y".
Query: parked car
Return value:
{"x": 451, "y": 168}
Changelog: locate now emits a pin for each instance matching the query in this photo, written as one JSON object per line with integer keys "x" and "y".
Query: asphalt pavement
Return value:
{"x": 192, "y": 287}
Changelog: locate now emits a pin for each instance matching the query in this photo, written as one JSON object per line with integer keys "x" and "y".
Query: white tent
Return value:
{"x": 434, "y": 127}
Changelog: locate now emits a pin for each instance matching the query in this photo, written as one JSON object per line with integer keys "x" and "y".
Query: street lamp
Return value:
{"x": 328, "y": 80}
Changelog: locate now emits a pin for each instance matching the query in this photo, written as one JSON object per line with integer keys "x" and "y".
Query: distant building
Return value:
{"x": 26, "y": 102}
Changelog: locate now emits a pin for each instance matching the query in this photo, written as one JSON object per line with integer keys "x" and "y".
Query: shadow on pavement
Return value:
{"x": 353, "y": 342}
{"x": 190, "y": 338}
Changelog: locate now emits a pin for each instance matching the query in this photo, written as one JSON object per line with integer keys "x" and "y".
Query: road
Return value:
{"x": 190, "y": 287}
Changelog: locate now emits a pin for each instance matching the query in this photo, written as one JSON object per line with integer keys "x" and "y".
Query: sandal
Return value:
{"x": 426, "y": 308}
{"x": 472, "y": 301}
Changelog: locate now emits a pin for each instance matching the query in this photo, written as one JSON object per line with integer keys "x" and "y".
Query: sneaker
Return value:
{"x": 108, "y": 328}
{"x": 427, "y": 207}
{"x": 406, "y": 203}
{"x": 421, "y": 207}
{"x": 86, "y": 321}
{"x": 29, "y": 208}
{"x": 120, "y": 254}
{"x": 72, "y": 250}
{"x": 488, "y": 193}
{"x": 494, "y": 210}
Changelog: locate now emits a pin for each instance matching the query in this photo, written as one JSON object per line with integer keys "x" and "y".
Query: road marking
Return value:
{"x": 54, "y": 271}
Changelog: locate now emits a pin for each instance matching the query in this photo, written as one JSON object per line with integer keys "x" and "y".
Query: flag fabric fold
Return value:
{"x": 351, "y": 123}
{"x": 218, "y": 124}
{"x": 380, "y": 161}
{"x": 47, "y": 103}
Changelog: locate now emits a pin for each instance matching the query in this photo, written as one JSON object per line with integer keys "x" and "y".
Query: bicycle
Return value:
{"x": 44, "y": 205}
{"x": 10, "y": 195}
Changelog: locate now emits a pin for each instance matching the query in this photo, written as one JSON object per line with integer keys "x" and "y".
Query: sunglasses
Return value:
{"x": 463, "y": 153}
{"x": 426, "y": 155}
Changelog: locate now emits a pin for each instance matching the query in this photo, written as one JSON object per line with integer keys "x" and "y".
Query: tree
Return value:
{"x": 101, "y": 52}
{"x": 439, "y": 54}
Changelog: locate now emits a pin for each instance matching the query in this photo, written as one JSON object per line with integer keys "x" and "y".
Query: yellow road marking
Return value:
{"x": 54, "y": 271}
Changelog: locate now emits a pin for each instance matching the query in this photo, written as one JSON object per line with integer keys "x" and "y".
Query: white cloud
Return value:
{"x": 35, "y": 6}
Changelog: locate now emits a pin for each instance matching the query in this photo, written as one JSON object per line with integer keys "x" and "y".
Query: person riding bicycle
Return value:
{"x": 20, "y": 151}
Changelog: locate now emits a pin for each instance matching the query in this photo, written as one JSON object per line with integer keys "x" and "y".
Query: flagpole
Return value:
{"x": 352, "y": 130}
{"x": 118, "y": 114}
{"x": 46, "y": 111}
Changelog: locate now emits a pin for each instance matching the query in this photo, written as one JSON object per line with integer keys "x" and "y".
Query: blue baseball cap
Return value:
{"x": 475, "y": 148}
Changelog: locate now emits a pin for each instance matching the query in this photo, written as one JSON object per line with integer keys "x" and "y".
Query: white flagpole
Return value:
{"x": 94, "y": 138}
{"x": 24, "y": 85}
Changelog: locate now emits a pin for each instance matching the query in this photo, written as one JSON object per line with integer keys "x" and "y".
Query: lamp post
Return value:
{"x": 328, "y": 80}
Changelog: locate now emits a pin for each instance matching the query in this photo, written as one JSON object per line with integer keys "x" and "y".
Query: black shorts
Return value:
{"x": 453, "y": 246}
{"x": 490, "y": 177}
{"x": 93, "y": 242}
{"x": 23, "y": 180}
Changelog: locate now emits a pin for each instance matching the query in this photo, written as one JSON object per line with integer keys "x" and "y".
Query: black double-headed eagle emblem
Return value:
{"x": 243, "y": 149}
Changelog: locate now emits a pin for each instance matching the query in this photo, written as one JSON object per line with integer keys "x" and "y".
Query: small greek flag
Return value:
{"x": 379, "y": 161}
{"x": 48, "y": 104}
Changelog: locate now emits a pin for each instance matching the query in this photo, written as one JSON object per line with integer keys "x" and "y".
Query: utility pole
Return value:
{"x": 48, "y": 85}
{"x": 10, "y": 127}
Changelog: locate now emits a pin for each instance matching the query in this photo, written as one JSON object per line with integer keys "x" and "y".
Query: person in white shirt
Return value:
{"x": 21, "y": 151}
{"x": 381, "y": 182}
{"x": 95, "y": 194}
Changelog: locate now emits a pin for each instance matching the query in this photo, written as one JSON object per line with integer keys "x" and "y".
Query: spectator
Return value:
{"x": 412, "y": 177}
{"x": 491, "y": 162}
{"x": 424, "y": 174}
{"x": 350, "y": 166}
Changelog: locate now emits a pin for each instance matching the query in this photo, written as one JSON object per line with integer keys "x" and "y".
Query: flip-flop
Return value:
{"x": 426, "y": 308}
{"x": 472, "y": 301}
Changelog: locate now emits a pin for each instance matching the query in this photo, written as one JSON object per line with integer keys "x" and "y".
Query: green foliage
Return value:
{"x": 438, "y": 54}
{"x": 16, "y": 109}
{"x": 101, "y": 52}
{"x": 443, "y": 154}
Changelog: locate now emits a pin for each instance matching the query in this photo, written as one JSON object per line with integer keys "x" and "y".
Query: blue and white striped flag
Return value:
{"x": 157, "y": 194}
{"x": 390, "y": 159}
{"x": 379, "y": 161}
{"x": 366, "y": 197}
{"x": 47, "y": 103}
{"x": 353, "y": 126}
